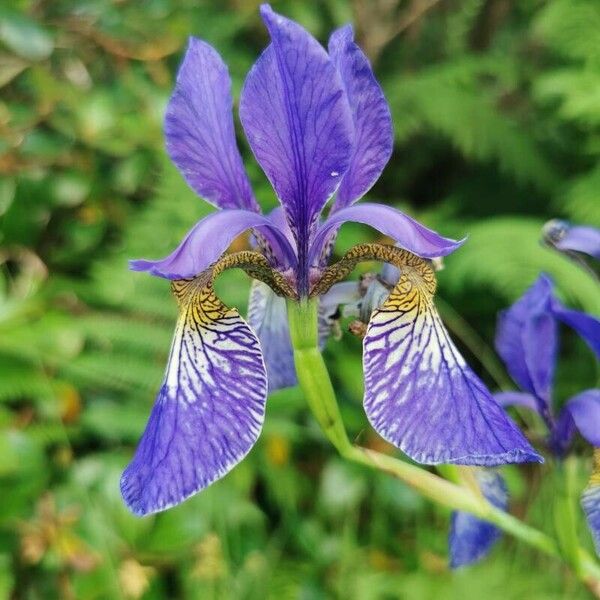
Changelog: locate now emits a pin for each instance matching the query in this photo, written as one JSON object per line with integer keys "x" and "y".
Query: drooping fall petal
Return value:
{"x": 210, "y": 408}
{"x": 421, "y": 396}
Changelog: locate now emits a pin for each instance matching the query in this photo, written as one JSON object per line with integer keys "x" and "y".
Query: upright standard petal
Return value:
{"x": 420, "y": 395}
{"x": 207, "y": 241}
{"x": 200, "y": 132}
{"x": 374, "y": 139}
{"x": 210, "y": 408}
{"x": 526, "y": 339}
{"x": 298, "y": 122}
{"x": 573, "y": 238}
{"x": 470, "y": 538}
{"x": 267, "y": 316}
{"x": 409, "y": 234}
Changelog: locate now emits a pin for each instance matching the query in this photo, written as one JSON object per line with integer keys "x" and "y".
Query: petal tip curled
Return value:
{"x": 449, "y": 246}
{"x": 340, "y": 38}
{"x": 139, "y": 264}
{"x": 273, "y": 20}
{"x": 154, "y": 267}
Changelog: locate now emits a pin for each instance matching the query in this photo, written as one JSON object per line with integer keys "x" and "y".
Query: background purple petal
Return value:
{"x": 580, "y": 238}
{"x": 523, "y": 399}
{"x": 409, "y": 234}
{"x": 470, "y": 538}
{"x": 590, "y": 502}
{"x": 206, "y": 242}
{"x": 421, "y": 396}
{"x": 587, "y": 326}
{"x": 200, "y": 132}
{"x": 208, "y": 413}
{"x": 267, "y": 315}
{"x": 374, "y": 139}
{"x": 298, "y": 122}
{"x": 584, "y": 409}
{"x": 526, "y": 339}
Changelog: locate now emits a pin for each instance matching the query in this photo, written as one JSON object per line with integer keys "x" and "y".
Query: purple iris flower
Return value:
{"x": 527, "y": 341}
{"x": 318, "y": 125}
{"x": 572, "y": 238}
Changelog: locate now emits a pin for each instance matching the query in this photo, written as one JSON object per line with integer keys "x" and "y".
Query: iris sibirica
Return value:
{"x": 318, "y": 124}
{"x": 571, "y": 239}
{"x": 527, "y": 341}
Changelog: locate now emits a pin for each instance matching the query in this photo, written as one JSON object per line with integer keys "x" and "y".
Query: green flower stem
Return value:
{"x": 428, "y": 484}
{"x": 453, "y": 491}
{"x": 565, "y": 511}
{"x": 312, "y": 373}
{"x": 526, "y": 533}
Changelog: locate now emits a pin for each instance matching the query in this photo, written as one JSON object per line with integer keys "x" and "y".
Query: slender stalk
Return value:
{"x": 455, "y": 492}
{"x": 312, "y": 373}
{"x": 428, "y": 484}
{"x": 565, "y": 512}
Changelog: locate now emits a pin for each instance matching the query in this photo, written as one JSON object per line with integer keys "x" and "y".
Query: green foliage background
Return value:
{"x": 496, "y": 106}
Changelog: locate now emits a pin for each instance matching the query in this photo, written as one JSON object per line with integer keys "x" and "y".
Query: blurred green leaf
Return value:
{"x": 24, "y": 36}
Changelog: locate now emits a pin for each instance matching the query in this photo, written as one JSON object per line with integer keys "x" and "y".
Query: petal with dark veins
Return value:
{"x": 200, "y": 132}
{"x": 420, "y": 394}
{"x": 297, "y": 119}
{"x": 210, "y": 407}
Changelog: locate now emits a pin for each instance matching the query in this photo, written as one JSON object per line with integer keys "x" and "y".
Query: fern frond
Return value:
{"x": 577, "y": 91}
{"x": 570, "y": 28}
{"x": 122, "y": 372}
{"x": 581, "y": 200}
{"x": 20, "y": 380}
{"x": 447, "y": 100}
{"x": 124, "y": 332}
{"x": 459, "y": 24}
